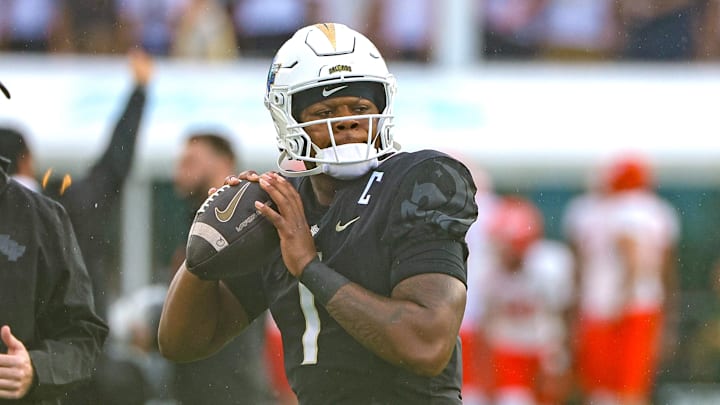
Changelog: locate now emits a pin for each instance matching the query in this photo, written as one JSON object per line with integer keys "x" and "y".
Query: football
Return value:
{"x": 228, "y": 236}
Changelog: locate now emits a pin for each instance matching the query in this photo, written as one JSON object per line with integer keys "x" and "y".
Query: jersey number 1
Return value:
{"x": 312, "y": 324}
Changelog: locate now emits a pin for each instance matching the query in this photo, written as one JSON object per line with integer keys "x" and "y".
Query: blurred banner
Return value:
{"x": 510, "y": 118}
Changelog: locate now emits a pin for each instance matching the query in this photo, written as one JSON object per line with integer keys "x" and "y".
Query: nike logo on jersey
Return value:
{"x": 328, "y": 93}
{"x": 229, "y": 211}
{"x": 340, "y": 228}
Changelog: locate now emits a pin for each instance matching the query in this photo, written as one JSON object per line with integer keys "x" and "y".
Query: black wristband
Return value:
{"x": 322, "y": 281}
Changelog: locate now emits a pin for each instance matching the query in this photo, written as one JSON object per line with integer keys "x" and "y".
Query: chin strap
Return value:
{"x": 318, "y": 169}
{"x": 295, "y": 173}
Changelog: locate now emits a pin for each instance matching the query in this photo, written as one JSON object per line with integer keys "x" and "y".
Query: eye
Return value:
{"x": 361, "y": 108}
{"x": 318, "y": 114}
{"x": 323, "y": 113}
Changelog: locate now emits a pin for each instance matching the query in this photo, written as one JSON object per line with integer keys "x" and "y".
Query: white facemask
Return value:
{"x": 347, "y": 153}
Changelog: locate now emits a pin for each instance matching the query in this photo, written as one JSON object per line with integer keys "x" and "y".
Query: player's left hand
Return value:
{"x": 296, "y": 241}
{"x": 16, "y": 370}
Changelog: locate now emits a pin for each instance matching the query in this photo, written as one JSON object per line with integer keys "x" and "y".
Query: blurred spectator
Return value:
{"x": 29, "y": 25}
{"x": 263, "y": 26}
{"x": 580, "y": 30}
{"x": 350, "y": 13}
{"x": 205, "y": 31}
{"x": 403, "y": 29}
{"x": 236, "y": 374}
{"x": 133, "y": 345}
{"x": 91, "y": 200}
{"x": 150, "y": 24}
{"x": 513, "y": 29}
{"x": 707, "y": 44}
{"x": 92, "y": 27}
{"x": 527, "y": 296}
{"x": 624, "y": 236}
{"x": 658, "y": 29}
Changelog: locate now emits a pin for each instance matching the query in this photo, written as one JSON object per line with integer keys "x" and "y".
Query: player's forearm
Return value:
{"x": 189, "y": 318}
{"x": 399, "y": 330}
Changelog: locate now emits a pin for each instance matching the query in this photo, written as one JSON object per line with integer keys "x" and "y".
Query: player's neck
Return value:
{"x": 324, "y": 188}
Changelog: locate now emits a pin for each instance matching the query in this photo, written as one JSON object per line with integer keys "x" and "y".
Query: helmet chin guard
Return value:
{"x": 328, "y": 60}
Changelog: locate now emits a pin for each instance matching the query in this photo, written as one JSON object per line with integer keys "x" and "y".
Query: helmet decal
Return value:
{"x": 340, "y": 68}
{"x": 329, "y": 31}
{"x": 274, "y": 68}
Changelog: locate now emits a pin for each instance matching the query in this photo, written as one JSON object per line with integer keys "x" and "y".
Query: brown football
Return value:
{"x": 228, "y": 236}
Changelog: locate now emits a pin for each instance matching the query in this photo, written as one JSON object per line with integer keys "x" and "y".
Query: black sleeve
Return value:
{"x": 429, "y": 218}
{"x": 100, "y": 188}
{"x": 71, "y": 335}
{"x": 249, "y": 292}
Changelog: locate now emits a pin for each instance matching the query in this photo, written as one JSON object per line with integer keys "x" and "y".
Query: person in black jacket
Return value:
{"x": 91, "y": 200}
{"x": 50, "y": 335}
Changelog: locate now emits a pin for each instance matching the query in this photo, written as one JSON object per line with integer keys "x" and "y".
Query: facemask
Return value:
{"x": 347, "y": 153}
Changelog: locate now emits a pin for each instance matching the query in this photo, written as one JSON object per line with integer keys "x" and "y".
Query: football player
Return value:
{"x": 625, "y": 237}
{"x": 526, "y": 297}
{"x": 368, "y": 285}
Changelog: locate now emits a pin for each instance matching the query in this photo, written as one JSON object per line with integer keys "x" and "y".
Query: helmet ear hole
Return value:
{"x": 278, "y": 98}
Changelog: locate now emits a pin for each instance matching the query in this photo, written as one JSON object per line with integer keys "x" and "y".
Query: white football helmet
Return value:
{"x": 321, "y": 60}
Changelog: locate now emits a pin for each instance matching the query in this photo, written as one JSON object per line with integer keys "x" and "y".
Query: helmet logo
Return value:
{"x": 329, "y": 31}
{"x": 329, "y": 92}
{"x": 271, "y": 75}
{"x": 340, "y": 68}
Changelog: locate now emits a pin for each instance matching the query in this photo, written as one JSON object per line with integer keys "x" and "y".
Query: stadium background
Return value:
{"x": 539, "y": 127}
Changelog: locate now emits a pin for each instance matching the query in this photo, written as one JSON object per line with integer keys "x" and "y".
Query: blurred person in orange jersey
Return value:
{"x": 526, "y": 297}
{"x": 624, "y": 236}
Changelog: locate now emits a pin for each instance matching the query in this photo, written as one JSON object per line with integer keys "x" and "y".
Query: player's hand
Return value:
{"x": 296, "y": 241}
{"x": 141, "y": 65}
{"x": 234, "y": 180}
{"x": 16, "y": 370}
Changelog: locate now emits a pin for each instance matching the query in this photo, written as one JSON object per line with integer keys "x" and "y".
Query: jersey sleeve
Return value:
{"x": 249, "y": 292}
{"x": 429, "y": 218}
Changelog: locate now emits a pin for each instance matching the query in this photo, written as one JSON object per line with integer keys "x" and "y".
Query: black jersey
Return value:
{"x": 376, "y": 223}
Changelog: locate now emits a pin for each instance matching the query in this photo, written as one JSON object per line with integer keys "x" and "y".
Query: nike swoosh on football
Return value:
{"x": 340, "y": 228}
{"x": 330, "y": 92}
{"x": 229, "y": 211}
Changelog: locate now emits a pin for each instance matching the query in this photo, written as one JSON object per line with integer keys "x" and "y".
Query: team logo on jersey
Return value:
{"x": 10, "y": 248}
{"x": 341, "y": 227}
{"x": 458, "y": 202}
